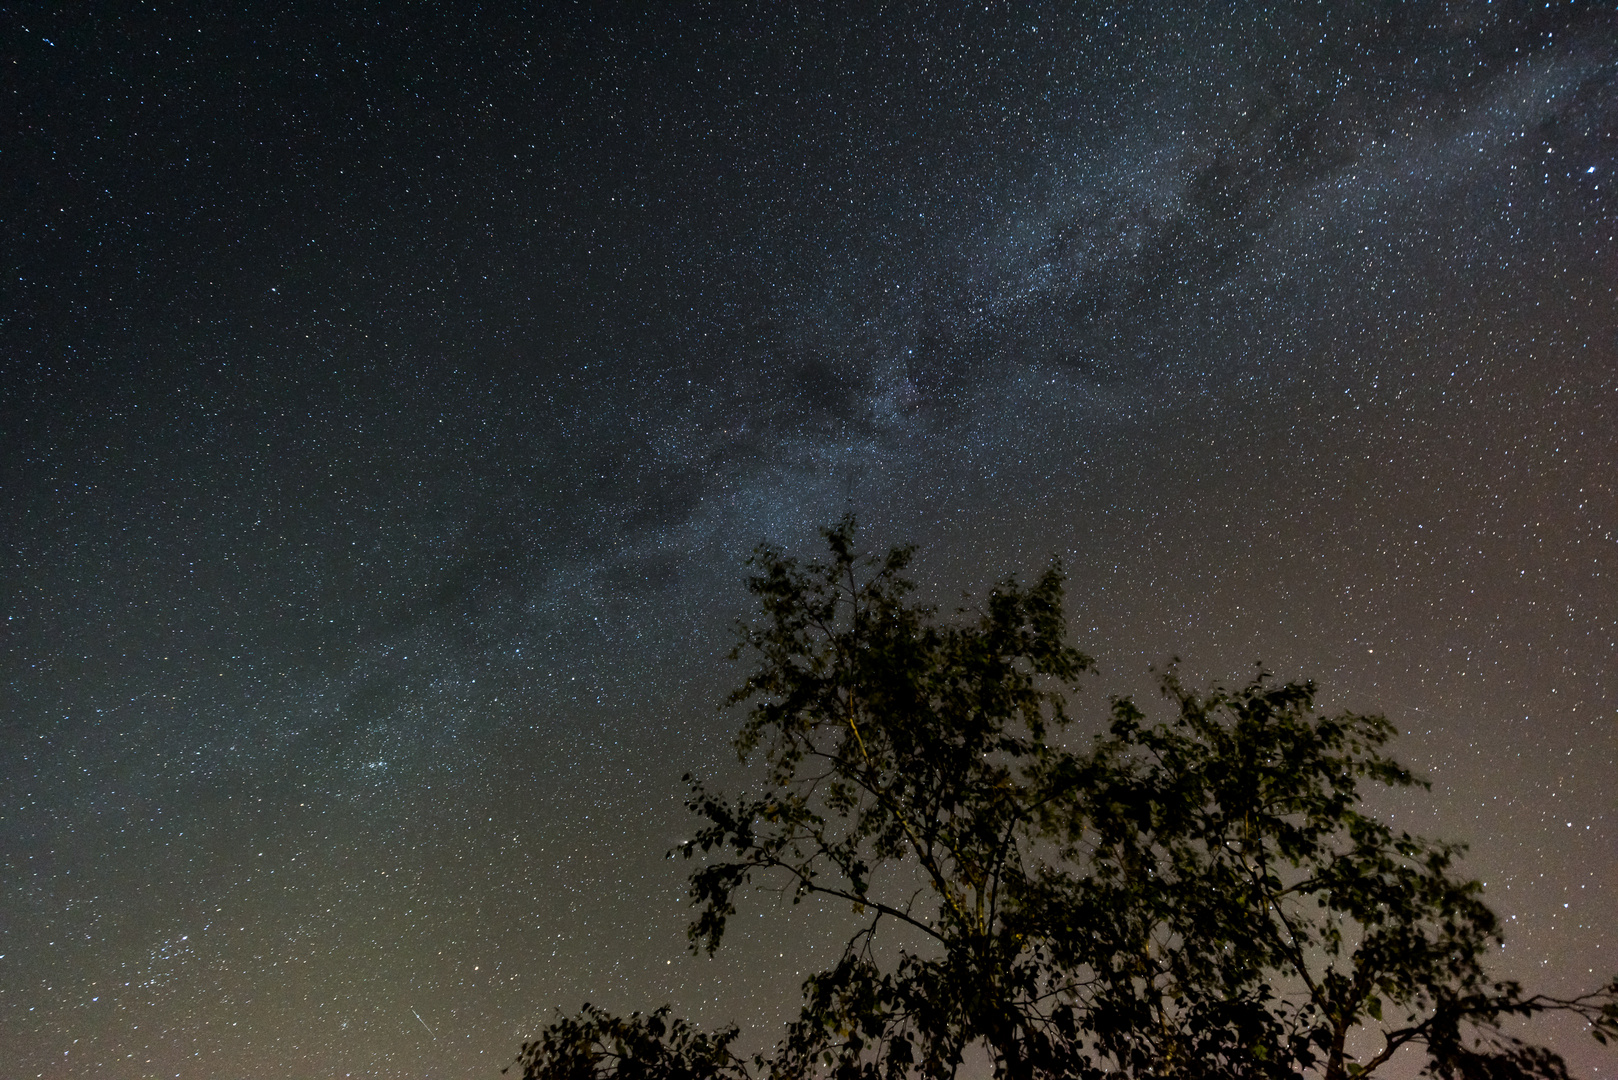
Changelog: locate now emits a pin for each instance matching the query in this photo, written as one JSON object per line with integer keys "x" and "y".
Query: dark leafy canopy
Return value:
{"x": 595, "y": 1045}
{"x": 1198, "y": 898}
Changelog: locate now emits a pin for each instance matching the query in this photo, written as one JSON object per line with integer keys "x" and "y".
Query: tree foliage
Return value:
{"x": 1205, "y": 896}
{"x": 595, "y": 1045}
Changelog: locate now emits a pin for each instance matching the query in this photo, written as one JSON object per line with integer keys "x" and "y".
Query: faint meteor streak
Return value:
{"x": 417, "y": 1015}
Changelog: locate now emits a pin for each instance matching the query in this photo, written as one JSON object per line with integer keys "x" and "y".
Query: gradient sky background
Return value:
{"x": 391, "y": 393}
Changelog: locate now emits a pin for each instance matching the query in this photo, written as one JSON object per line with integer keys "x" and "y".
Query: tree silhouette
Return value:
{"x": 1197, "y": 898}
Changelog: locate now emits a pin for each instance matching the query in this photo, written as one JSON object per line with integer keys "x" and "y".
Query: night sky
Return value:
{"x": 390, "y": 395}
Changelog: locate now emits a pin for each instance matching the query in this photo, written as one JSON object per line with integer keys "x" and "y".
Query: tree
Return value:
{"x": 1201, "y": 897}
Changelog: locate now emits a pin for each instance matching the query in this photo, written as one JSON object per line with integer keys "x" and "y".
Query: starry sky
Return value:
{"x": 390, "y": 395}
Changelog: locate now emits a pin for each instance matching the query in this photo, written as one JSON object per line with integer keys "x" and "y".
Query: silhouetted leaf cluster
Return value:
{"x": 595, "y": 1045}
{"x": 1201, "y": 897}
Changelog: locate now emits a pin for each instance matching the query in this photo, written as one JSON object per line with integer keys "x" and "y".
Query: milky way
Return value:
{"x": 391, "y": 397}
